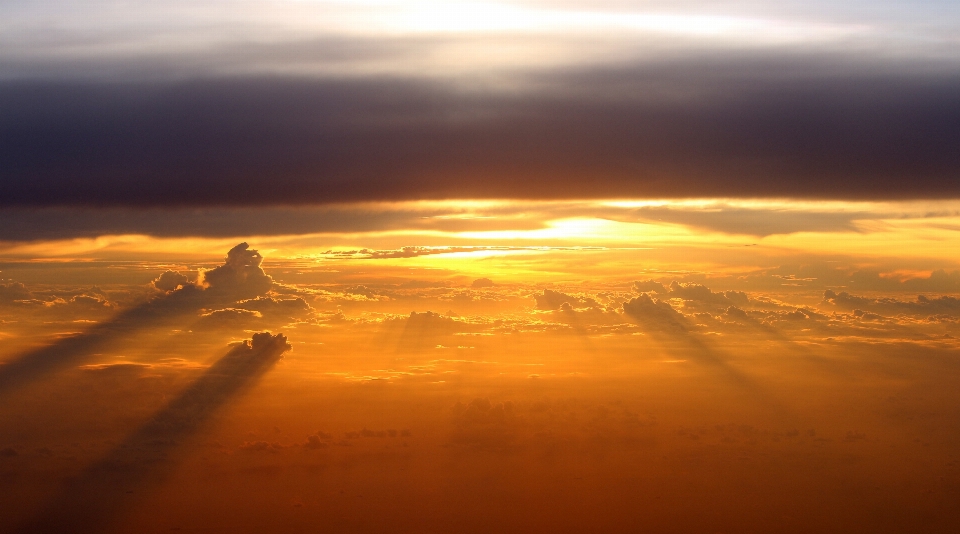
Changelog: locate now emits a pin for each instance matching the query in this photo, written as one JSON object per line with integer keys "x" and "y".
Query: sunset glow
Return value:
{"x": 479, "y": 267}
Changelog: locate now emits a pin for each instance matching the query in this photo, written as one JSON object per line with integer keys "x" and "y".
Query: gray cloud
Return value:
{"x": 757, "y": 222}
{"x": 14, "y": 291}
{"x": 923, "y": 306}
{"x": 240, "y": 276}
{"x": 170, "y": 281}
{"x": 702, "y": 294}
{"x": 729, "y": 128}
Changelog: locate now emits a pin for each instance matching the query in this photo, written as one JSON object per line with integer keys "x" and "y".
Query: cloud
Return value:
{"x": 429, "y": 321}
{"x": 118, "y": 368}
{"x": 280, "y": 308}
{"x": 736, "y": 313}
{"x": 239, "y": 277}
{"x": 14, "y": 291}
{"x": 88, "y": 303}
{"x": 261, "y": 446}
{"x": 923, "y": 305}
{"x": 412, "y": 252}
{"x": 698, "y": 293}
{"x": 649, "y": 286}
{"x": 736, "y": 127}
{"x": 756, "y": 222}
{"x": 483, "y": 424}
{"x": 654, "y": 313}
{"x": 170, "y": 281}
{"x": 318, "y": 440}
{"x": 584, "y": 318}
{"x": 481, "y": 283}
{"x": 552, "y": 300}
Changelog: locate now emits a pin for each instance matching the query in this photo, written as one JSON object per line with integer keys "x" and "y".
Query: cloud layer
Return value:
{"x": 721, "y": 130}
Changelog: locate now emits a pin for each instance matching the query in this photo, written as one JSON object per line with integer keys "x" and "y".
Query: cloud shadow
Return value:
{"x": 240, "y": 277}
{"x": 98, "y": 496}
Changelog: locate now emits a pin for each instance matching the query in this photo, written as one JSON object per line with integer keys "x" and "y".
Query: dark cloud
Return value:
{"x": 240, "y": 276}
{"x": 736, "y": 313}
{"x": 482, "y": 283}
{"x": 319, "y": 440}
{"x": 170, "y": 281}
{"x": 14, "y": 291}
{"x": 922, "y": 306}
{"x": 727, "y": 127}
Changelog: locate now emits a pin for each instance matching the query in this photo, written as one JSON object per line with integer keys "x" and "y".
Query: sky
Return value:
{"x": 529, "y": 266}
{"x": 157, "y": 104}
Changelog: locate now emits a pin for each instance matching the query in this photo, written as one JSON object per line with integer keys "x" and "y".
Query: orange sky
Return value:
{"x": 562, "y": 367}
{"x": 479, "y": 266}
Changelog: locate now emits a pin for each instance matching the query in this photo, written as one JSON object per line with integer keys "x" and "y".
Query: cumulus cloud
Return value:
{"x": 240, "y": 275}
{"x": 480, "y": 283}
{"x": 649, "y": 286}
{"x": 14, "y": 291}
{"x": 703, "y": 294}
{"x": 318, "y": 440}
{"x": 923, "y": 305}
{"x": 429, "y": 320}
{"x": 88, "y": 303}
{"x": 736, "y": 313}
{"x": 586, "y": 317}
{"x": 239, "y": 278}
{"x": 170, "y": 281}
{"x": 552, "y": 300}
{"x": 654, "y": 313}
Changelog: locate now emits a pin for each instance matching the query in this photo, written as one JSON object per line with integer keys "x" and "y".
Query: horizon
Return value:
{"x": 515, "y": 266}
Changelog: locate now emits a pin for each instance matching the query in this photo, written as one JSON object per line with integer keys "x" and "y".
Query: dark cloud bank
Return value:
{"x": 701, "y": 128}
